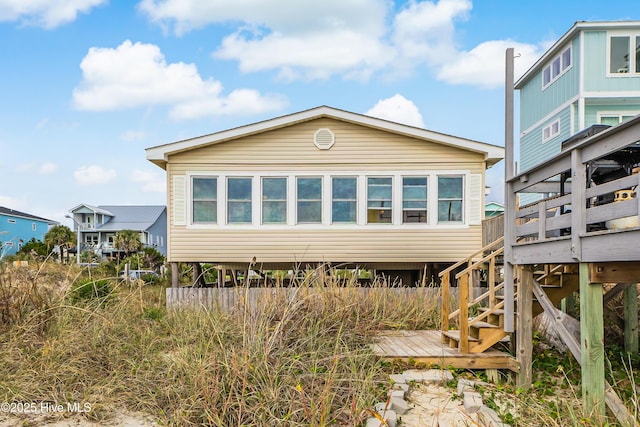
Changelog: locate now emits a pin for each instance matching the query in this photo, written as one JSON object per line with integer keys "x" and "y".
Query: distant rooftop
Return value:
{"x": 11, "y": 212}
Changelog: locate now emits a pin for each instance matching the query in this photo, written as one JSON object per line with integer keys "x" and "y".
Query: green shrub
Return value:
{"x": 150, "y": 279}
{"x": 89, "y": 289}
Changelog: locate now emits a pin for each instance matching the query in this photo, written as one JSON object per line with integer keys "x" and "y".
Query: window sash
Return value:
{"x": 239, "y": 207}
{"x": 379, "y": 200}
{"x": 450, "y": 199}
{"x": 204, "y": 200}
{"x": 309, "y": 200}
{"x": 274, "y": 200}
{"x": 344, "y": 199}
{"x": 414, "y": 199}
{"x": 619, "y": 49}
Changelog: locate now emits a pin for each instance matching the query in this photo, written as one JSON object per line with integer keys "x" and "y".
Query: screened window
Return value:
{"x": 379, "y": 200}
{"x": 309, "y": 202}
{"x": 450, "y": 199}
{"x": 414, "y": 199}
{"x": 619, "y": 54}
{"x": 558, "y": 66}
{"x": 550, "y": 131}
{"x": 615, "y": 119}
{"x": 274, "y": 200}
{"x": 344, "y": 199}
{"x": 204, "y": 199}
{"x": 239, "y": 200}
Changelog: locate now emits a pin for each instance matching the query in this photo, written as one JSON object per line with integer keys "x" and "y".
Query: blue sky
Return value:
{"x": 87, "y": 85}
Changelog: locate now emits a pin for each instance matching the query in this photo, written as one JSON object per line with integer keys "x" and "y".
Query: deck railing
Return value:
{"x": 582, "y": 184}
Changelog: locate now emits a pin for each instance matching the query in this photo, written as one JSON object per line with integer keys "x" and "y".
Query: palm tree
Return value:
{"x": 127, "y": 241}
{"x": 61, "y": 236}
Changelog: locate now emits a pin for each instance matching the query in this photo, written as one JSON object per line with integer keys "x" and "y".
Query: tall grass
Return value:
{"x": 304, "y": 361}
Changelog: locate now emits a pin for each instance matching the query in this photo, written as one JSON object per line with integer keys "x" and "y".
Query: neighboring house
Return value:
{"x": 590, "y": 76}
{"x": 98, "y": 226}
{"x": 17, "y": 228}
{"x": 325, "y": 186}
{"x": 493, "y": 209}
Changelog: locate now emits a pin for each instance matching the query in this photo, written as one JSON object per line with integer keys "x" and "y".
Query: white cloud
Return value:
{"x": 152, "y": 182}
{"x": 45, "y": 13}
{"x": 484, "y": 65}
{"x": 47, "y": 168}
{"x": 350, "y": 38}
{"x": 13, "y": 203}
{"x": 136, "y": 74}
{"x": 91, "y": 175}
{"x": 397, "y": 109}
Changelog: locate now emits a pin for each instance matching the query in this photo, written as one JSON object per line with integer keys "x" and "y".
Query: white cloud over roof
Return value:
{"x": 397, "y": 109}
{"x": 45, "y": 13}
{"x": 137, "y": 74}
{"x": 92, "y": 175}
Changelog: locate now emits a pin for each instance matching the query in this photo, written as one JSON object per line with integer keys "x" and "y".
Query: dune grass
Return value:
{"x": 306, "y": 361}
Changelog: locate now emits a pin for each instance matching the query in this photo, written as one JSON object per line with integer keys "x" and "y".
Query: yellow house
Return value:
{"x": 325, "y": 186}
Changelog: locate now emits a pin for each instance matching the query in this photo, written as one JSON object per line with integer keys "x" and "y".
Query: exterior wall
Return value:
{"x": 533, "y": 151}
{"x": 595, "y": 63}
{"x": 357, "y": 150}
{"x": 593, "y": 111}
{"x": 14, "y": 229}
{"x": 159, "y": 234}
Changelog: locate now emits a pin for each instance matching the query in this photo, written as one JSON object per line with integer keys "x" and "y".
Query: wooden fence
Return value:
{"x": 229, "y": 299}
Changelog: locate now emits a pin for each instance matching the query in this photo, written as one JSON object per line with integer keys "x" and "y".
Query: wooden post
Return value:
{"x": 197, "y": 279}
{"x": 524, "y": 327}
{"x": 463, "y": 290}
{"x": 509, "y": 195}
{"x": 175, "y": 274}
{"x": 631, "y": 319}
{"x": 592, "y": 345}
{"x": 444, "y": 306}
{"x": 222, "y": 277}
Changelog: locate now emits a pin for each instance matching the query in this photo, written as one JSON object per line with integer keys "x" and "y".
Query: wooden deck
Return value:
{"x": 425, "y": 347}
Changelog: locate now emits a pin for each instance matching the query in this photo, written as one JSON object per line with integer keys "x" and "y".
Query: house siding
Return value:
{"x": 357, "y": 150}
{"x": 595, "y": 76}
{"x": 19, "y": 232}
{"x": 592, "y": 111}
{"x": 533, "y": 151}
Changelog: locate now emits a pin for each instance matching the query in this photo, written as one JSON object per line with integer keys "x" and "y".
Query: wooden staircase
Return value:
{"x": 474, "y": 324}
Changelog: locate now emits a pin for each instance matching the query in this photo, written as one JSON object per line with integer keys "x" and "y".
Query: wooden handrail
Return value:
{"x": 480, "y": 262}
{"x": 470, "y": 257}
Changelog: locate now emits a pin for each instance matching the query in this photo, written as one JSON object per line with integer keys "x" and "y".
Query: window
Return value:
{"x": 558, "y": 66}
{"x": 550, "y": 131}
{"x": 239, "y": 200}
{"x": 624, "y": 54}
{"x": 344, "y": 199}
{"x": 379, "y": 200}
{"x": 613, "y": 119}
{"x": 449, "y": 199}
{"x": 274, "y": 200}
{"x": 204, "y": 199}
{"x": 33, "y": 226}
{"x": 11, "y": 221}
{"x": 414, "y": 199}
{"x": 309, "y": 198}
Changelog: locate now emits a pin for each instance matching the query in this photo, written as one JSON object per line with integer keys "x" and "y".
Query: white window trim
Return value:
{"x": 619, "y": 114}
{"x": 330, "y": 213}
{"x": 465, "y": 203}
{"x": 287, "y": 199}
{"x": 361, "y": 208}
{"x": 551, "y": 134}
{"x": 632, "y": 53}
{"x": 563, "y": 69}
{"x": 323, "y": 198}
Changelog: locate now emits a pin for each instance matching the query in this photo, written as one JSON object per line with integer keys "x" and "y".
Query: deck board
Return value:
{"x": 425, "y": 347}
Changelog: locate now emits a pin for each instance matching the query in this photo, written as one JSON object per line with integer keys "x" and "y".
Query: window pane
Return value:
{"x": 450, "y": 187}
{"x": 450, "y": 210}
{"x": 566, "y": 59}
{"x": 637, "y": 51}
{"x": 205, "y": 188}
{"x": 309, "y": 206}
{"x": 274, "y": 200}
{"x": 555, "y": 68}
{"x": 609, "y": 120}
{"x": 344, "y": 188}
{"x": 344, "y": 211}
{"x": 379, "y": 200}
{"x": 274, "y": 212}
{"x": 414, "y": 199}
{"x": 546, "y": 76}
{"x": 344, "y": 201}
{"x": 204, "y": 194}
{"x": 414, "y": 216}
{"x": 414, "y": 193}
{"x": 619, "y": 55}
{"x": 205, "y": 211}
{"x": 274, "y": 188}
{"x": 239, "y": 200}
{"x": 414, "y": 205}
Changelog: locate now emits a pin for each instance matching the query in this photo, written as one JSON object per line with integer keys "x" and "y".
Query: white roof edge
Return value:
{"x": 571, "y": 32}
{"x": 159, "y": 154}
{"x": 91, "y": 207}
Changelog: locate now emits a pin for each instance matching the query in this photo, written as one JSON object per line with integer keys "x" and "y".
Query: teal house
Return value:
{"x": 18, "y": 227}
{"x": 590, "y": 76}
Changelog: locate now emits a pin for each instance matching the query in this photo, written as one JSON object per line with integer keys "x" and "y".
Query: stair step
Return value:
{"x": 455, "y": 335}
{"x": 484, "y": 325}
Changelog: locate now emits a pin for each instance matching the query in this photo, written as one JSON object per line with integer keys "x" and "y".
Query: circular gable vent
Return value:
{"x": 324, "y": 138}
